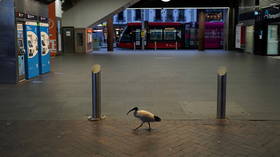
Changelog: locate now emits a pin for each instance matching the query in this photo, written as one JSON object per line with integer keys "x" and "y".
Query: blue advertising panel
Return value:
{"x": 44, "y": 53}
{"x": 31, "y": 48}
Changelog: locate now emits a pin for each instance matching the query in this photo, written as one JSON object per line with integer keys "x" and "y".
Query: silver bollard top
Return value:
{"x": 222, "y": 70}
{"x": 96, "y": 68}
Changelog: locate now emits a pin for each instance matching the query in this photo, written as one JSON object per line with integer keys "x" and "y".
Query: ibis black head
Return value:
{"x": 135, "y": 108}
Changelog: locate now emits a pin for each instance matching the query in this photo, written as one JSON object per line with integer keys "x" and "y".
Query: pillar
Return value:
{"x": 231, "y": 29}
{"x": 201, "y": 30}
{"x": 52, "y": 29}
{"x": 110, "y": 34}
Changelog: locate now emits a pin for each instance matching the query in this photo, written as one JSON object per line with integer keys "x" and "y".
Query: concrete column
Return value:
{"x": 143, "y": 29}
{"x": 231, "y": 29}
{"x": 226, "y": 22}
{"x": 110, "y": 34}
{"x": 201, "y": 30}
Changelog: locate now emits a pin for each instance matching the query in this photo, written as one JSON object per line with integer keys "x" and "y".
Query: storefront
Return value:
{"x": 244, "y": 38}
{"x": 267, "y": 31}
{"x": 249, "y": 39}
{"x": 240, "y": 36}
{"x": 245, "y": 32}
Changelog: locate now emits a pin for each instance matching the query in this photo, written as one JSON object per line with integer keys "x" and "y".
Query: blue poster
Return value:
{"x": 31, "y": 48}
{"x": 44, "y": 53}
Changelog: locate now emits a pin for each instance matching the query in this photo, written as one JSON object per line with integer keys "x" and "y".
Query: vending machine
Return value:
{"x": 44, "y": 52}
{"x": 31, "y": 48}
{"x": 20, "y": 52}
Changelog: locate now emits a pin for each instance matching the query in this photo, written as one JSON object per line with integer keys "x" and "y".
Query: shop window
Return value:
{"x": 169, "y": 16}
{"x": 169, "y": 34}
{"x": 138, "y": 15}
{"x": 156, "y": 34}
{"x": 158, "y": 15}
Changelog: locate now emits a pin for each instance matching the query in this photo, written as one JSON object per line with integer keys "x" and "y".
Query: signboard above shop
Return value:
{"x": 31, "y": 17}
{"x": 270, "y": 13}
{"x": 43, "y": 19}
{"x": 260, "y": 14}
{"x": 20, "y": 15}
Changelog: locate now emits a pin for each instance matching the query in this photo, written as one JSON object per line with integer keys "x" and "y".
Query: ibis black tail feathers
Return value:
{"x": 157, "y": 119}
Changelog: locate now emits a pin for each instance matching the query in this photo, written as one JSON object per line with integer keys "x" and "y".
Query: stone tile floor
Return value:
{"x": 115, "y": 137}
{"x": 174, "y": 84}
{"x": 46, "y": 116}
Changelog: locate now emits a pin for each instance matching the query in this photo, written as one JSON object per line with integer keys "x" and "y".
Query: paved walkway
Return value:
{"x": 173, "y": 84}
{"x": 46, "y": 116}
{"x": 114, "y": 138}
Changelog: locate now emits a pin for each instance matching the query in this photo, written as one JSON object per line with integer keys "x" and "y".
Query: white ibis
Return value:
{"x": 144, "y": 116}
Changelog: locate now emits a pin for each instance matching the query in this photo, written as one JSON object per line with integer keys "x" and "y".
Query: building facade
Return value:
{"x": 155, "y": 15}
{"x": 257, "y": 31}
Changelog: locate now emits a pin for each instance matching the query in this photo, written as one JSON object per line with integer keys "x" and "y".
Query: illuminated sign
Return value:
{"x": 43, "y": 19}
{"x": 274, "y": 16}
{"x": 31, "y": 17}
{"x": 20, "y": 15}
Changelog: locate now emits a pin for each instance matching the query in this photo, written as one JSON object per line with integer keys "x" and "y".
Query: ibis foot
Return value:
{"x": 139, "y": 126}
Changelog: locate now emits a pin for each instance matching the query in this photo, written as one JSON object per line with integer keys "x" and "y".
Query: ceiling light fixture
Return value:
{"x": 165, "y": 0}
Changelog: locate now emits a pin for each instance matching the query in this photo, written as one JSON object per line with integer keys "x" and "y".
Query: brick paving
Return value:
{"x": 174, "y": 85}
{"x": 116, "y": 137}
{"x": 46, "y": 117}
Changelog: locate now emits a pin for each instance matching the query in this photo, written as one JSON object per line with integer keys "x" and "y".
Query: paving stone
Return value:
{"x": 174, "y": 84}
{"x": 116, "y": 138}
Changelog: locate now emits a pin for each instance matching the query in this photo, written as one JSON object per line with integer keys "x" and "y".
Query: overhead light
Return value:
{"x": 165, "y": 0}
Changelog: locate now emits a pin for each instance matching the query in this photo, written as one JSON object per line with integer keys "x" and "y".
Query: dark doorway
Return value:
{"x": 260, "y": 36}
{"x": 68, "y": 40}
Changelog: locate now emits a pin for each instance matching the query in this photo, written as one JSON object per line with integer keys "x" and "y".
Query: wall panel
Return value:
{"x": 7, "y": 42}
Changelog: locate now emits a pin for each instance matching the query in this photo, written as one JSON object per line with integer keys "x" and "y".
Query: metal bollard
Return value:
{"x": 134, "y": 46}
{"x": 221, "y": 99}
{"x": 96, "y": 93}
{"x": 155, "y": 45}
{"x": 176, "y": 45}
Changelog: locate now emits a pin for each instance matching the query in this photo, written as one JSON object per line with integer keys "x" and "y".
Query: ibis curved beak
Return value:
{"x": 130, "y": 111}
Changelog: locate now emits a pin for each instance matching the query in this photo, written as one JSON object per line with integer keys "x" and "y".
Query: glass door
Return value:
{"x": 249, "y": 41}
{"x": 272, "y": 40}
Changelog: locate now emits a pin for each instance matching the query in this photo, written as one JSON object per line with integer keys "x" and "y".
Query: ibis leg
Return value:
{"x": 149, "y": 125}
{"x": 139, "y": 126}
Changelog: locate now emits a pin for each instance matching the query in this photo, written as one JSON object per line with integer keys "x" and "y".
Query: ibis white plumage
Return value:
{"x": 144, "y": 116}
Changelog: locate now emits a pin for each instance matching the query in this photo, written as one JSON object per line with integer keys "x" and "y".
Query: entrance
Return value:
{"x": 249, "y": 39}
{"x": 68, "y": 40}
{"x": 267, "y": 39}
{"x": 272, "y": 40}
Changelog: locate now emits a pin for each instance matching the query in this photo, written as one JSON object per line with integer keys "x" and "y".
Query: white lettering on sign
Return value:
{"x": 68, "y": 33}
{"x": 274, "y": 16}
